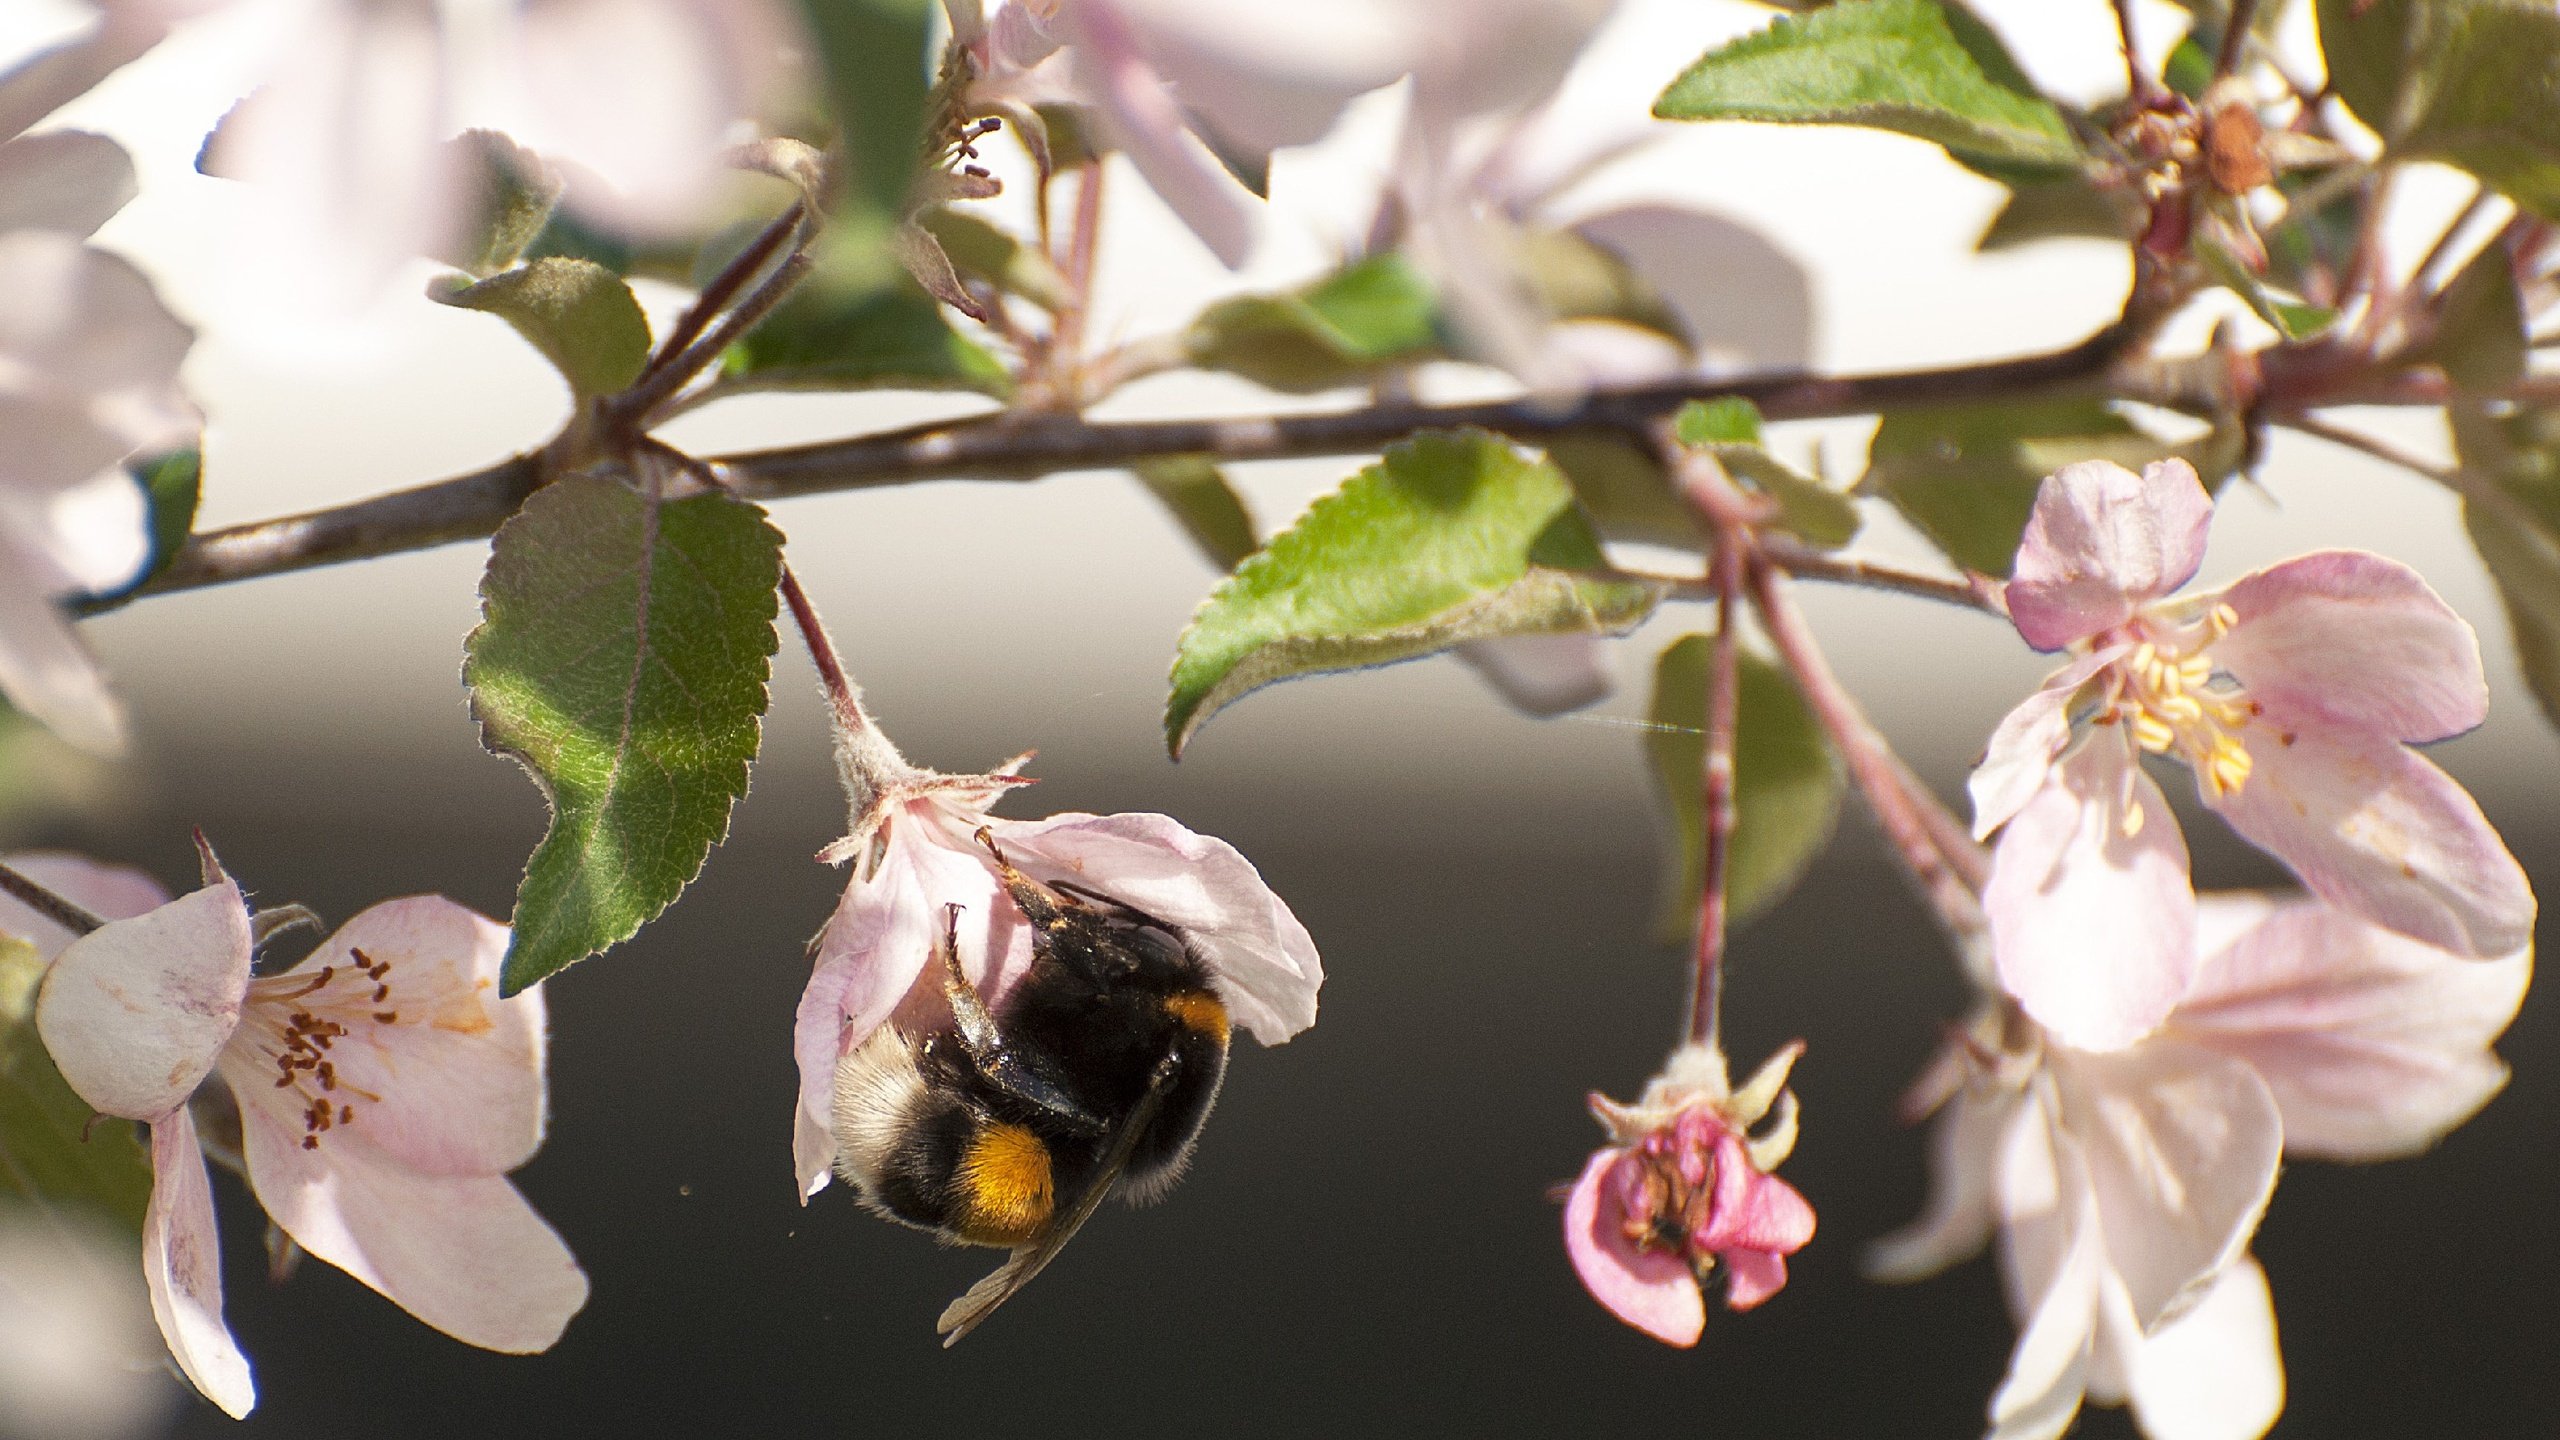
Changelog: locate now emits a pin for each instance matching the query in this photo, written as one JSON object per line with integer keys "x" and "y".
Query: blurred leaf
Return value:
{"x": 2190, "y": 67}
{"x": 2310, "y": 249}
{"x": 891, "y": 338}
{"x": 1915, "y": 67}
{"x": 1209, "y": 510}
{"x": 983, "y": 252}
{"x": 875, "y": 59}
{"x": 1967, "y": 475}
{"x": 1786, "y": 782}
{"x": 2468, "y": 82}
{"x": 51, "y": 1154}
{"x": 2480, "y": 331}
{"x": 1729, "y": 429}
{"x": 512, "y": 195}
{"x": 2520, "y": 544}
{"x": 2292, "y": 317}
{"x": 622, "y": 661}
{"x": 1577, "y": 278}
{"x": 580, "y": 315}
{"x": 1367, "y": 315}
{"x": 175, "y": 483}
{"x": 2066, "y": 209}
{"x": 1624, "y": 490}
{"x": 1452, "y": 536}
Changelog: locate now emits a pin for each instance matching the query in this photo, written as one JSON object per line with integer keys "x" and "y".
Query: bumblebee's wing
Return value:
{"x": 969, "y": 1311}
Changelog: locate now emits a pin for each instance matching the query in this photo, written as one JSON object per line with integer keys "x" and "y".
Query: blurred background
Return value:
{"x": 1366, "y": 1241}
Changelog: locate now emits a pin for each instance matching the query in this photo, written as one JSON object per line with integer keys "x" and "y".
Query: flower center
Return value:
{"x": 301, "y": 1017}
{"x": 1672, "y": 1197}
{"x": 2170, "y": 699}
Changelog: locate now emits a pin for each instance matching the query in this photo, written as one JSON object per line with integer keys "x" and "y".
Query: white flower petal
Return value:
{"x": 465, "y": 1254}
{"x": 1960, "y": 1211}
{"x": 2373, "y": 1044}
{"x": 182, "y": 1267}
{"x": 2014, "y": 765}
{"x": 2053, "y": 1259}
{"x": 134, "y": 1013}
{"x": 49, "y": 675}
{"x": 2103, "y": 540}
{"x": 2181, "y": 1146}
{"x": 1143, "y": 117}
{"x": 1264, "y": 75}
{"x": 2213, "y": 1373}
{"x": 1262, "y": 959}
{"x": 1746, "y": 303}
{"x": 66, "y": 180}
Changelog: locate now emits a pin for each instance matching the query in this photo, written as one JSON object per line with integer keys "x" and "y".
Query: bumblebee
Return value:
{"x": 1010, "y": 1130}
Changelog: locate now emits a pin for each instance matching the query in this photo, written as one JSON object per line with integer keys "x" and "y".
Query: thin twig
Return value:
{"x": 1806, "y": 563}
{"x": 654, "y": 383}
{"x": 841, "y": 692}
{"x": 2137, "y": 82}
{"x": 1716, "y": 818}
{"x": 72, "y": 917}
{"x": 2235, "y": 37}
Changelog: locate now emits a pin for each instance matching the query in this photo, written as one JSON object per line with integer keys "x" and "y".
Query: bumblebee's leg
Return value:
{"x": 984, "y": 1043}
{"x": 1040, "y": 905}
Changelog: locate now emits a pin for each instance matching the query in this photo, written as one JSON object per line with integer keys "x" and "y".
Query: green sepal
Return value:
{"x": 1915, "y": 67}
{"x": 623, "y": 661}
{"x": 2293, "y": 317}
{"x": 580, "y": 315}
{"x": 1452, "y": 536}
{"x": 1786, "y": 783}
{"x": 981, "y": 251}
{"x": 56, "y": 1156}
{"x": 1366, "y": 316}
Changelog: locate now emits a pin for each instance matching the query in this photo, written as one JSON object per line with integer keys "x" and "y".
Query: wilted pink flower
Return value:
{"x": 1683, "y": 1192}
{"x": 2294, "y": 694}
{"x": 88, "y": 377}
{"x": 2125, "y": 1185}
{"x": 915, "y": 854}
{"x": 383, "y": 1093}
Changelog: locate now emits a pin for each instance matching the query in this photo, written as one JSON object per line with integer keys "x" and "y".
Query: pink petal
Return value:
{"x": 1263, "y": 960}
{"x": 135, "y": 1012}
{"x": 2103, "y": 540}
{"x": 110, "y": 892}
{"x": 2181, "y": 1145}
{"x": 2377, "y": 830}
{"x": 2213, "y": 1373}
{"x": 182, "y": 1267}
{"x": 1751, "y": 1277}
{"x": 2053, "y": 1259}
{"x": 46, "y": 673}
{"x": 1958, "y": 1216}
{"x": 2374, "y": 1045}
{"x": 2014, "y": 765}
{"x": 2093, "y": 931}
{"x": 2349, "y": 640}
{"x": 460, "y": 1076}
{"x": 1753, "y": 1211}
{"x": 465, "y": 1254}
{"x": 1652, "y": 1290}
{"x": 1543, "y": 674}
{"x": 1151, "y": 129}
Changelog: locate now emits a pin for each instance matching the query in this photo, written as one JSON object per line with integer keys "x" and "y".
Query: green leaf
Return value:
{"x": 2189, "y": 69}
{"x": 2480, "y": 331}
{"x": 513, "y": 195}
{"x": 1368, "y": 315}
{"x": 1452, "y": 536}
{"x": 1915, "y": 67}
{"x": 2067, "y": 209}
{"x": 622, "y": 661}
{"x": 1786, "y": 782}
{"x": 2474, "y": 83}
{"x": 52, "y": 1155}
{"x": 580, "y": 315}
{"x": 1967, "y": 475}
{"x": 2292, "y": 317}
{"x": 2520, "y": 543}
{"x": 1195, "y": 490}
{"x": 890, "y": 338}
{"x": 1729, "y": 429}
{"x": 1624, "y": 490}
{"x": 175, "y": 483}
{"x": 981, "y": 251}
{"x": 874, "y": 58}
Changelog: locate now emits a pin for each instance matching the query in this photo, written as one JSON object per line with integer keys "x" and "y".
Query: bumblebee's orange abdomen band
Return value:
{"x": 1004, "y": 1187}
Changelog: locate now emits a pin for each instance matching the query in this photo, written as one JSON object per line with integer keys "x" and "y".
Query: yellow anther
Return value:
{"x": 2131, "y": 825}
{"x": 2195, "y": 670}
{"x": 2152, "y": 733}
{"x": 2169, "y": 678}
{"x": 2224, "y": 617}
{"x": 2143, "y": 655}
{"x": 2180, "y": 709}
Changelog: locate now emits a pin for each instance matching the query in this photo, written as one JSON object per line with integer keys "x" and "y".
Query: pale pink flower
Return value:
{"x": 915, "y": 853}
{"x": 383, "y": 1092}
{"x": 2125, "y": 1185}
{"x": 1683, "y": 1193}
{"x": 2294, "y": 694}
{"x": 88, "y": 378}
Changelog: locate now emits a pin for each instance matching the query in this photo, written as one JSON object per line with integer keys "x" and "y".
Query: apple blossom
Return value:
{"x": 2293, "y": 694}
{"x": 88, "y": 378}
{"x": 382, "y": 1093}
{"x": 1684, "y": 1190}
{"x": 915, "y": 853}
{"x": 2126, "y": 1184}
